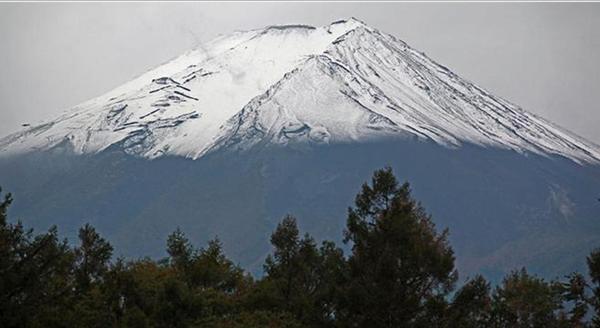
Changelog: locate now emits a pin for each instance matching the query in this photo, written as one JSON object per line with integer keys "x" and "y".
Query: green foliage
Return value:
{"x": 180, "y": 250}
{"x": 593, "y": 262}
{"x": 574, "y": 296}
{"x": 34, "y": 273}
{"x": 301, "y": 278}
{"x": 523, "y": 300}
{"x": 92, "y": 257}
{"x": 400, "y": 267}
{"x": 253, "y": 319}
{"x": 471, "y": 305}
{"x": 400, "y": 273}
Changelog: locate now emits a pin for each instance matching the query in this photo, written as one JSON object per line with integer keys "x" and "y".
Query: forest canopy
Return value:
{"x": 399, "y": 272}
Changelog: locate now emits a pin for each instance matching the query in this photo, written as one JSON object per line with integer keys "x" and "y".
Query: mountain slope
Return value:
{"x": 292, "y": 119}
{"x": 402, "y": 92}
{"x": 344, "y": 82}
{"x": 178, "y": 108}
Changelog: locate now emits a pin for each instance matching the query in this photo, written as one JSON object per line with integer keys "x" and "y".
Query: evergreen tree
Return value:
{"x": 333, "y": 276}
{"x": 282, "y": 267}
{"x": 120, "y": 295}
{"x": 217, "y": 284}
{"x": 399, "y": 266}
{"x": 212, "y": 269}
{"x": 471, "y": 305}
{"x": 34, "y": 274}
{"x": 301, "y": 278}
{"x": 180, "y": 250}
{"x": 145, "y": 293}
{"x": 176, "y": 306}
{"x": 523, "y": 300}
{"x": 575, "y": 299}
{"x": 4, "y": 204}
{"x": 399, "y": 274}
{"x": 593, "y": 262}
{"x": 93, "y": 256}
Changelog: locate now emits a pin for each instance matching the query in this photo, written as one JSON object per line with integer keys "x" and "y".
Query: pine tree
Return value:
{"x": 212, "y": 269}
{"x": 180, "y": 250}
{"x": 399, "y": 263}
{"x": 34, "y": 274}
{"x": 301, "y": 278}
{"x": 93, "y": 256}
{"x": 575, "y": 299}
{"x": 282, "y": 267}
{"x": 593, "y": 262}
{"x": 471, "y": 305}
{"x": 523, "y": 300}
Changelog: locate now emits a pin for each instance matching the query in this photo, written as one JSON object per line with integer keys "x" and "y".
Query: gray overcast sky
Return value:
{"x": 542, "y": 56}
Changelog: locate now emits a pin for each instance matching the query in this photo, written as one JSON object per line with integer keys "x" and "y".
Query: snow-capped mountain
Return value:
{"x": 292, "y": 120}
{"x": 343, "y": 82}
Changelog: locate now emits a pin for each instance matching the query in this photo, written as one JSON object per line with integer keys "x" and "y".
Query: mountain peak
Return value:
{"x": 343, "y": 82}
{"x": 289, "y": 27}
{"x": 338, "y": 26}
{"x": 345, "y": 25}
{"x": 349, "y": 21}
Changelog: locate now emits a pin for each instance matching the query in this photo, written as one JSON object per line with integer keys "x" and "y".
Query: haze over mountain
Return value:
{"x": 227, "y": 138}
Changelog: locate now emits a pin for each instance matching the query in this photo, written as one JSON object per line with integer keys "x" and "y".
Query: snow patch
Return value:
{"x": 343, "y": 82}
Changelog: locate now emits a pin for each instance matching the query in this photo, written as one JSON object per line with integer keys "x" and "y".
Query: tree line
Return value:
{"x": 399, "y": 273}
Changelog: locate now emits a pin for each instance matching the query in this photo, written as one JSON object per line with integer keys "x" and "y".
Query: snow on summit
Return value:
{"x": 343, "y": 82}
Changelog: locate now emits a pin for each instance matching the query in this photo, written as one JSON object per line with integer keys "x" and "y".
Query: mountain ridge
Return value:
{"x": 228, "y": 139}
{"x": 190, "y": 105}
